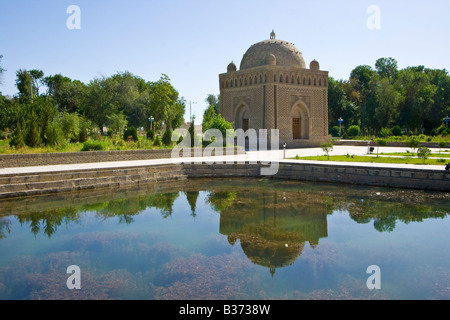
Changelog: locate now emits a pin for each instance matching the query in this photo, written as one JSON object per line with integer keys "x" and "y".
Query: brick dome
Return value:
{"x": 286, "y": 54}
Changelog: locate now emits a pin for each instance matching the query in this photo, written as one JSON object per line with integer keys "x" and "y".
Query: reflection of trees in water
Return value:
{"x": 5, "y": 227}
{"x": 233, "y": 199}
{"x": 125, "y": 209}
{"x": 385, "y": 214}
{"x": 191, "y": 197}
{"x": 49, "y": 221}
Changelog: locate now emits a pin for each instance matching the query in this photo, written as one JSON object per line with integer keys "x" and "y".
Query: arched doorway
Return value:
{"x": 300, "y": 122}
{"x": 242, "y": 117}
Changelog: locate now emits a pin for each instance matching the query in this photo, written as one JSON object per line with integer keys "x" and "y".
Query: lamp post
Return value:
{"x": 447, "y": 120}
{"x": 340, "y": 120}
{"x": 284, "y": 150}
{"x": 151, "y": 122}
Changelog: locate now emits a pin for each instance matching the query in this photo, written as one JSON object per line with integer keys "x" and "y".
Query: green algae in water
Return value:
{"x": 227, "y": 239}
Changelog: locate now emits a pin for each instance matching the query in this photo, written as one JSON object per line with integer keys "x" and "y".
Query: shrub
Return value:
{"x": 130, "y": 134}
{"x": 150, "y": 134}
{"x": 93, "y": 145}
{"x": 334, "y": 131}
{"x": 54, "y": 134}
{"x": 70, "y": 125}
{"x": 353, "y": 131}
{"x": 423, "y": 153}
{"x": 442, "y": 144}
{"x": 443, "y": 131}
{"x": 385, "y": 132}
{"x": 33, "y": 138}
{"x": 412, "y": 142}
{"x": 397, "y": 131}
{"x": 17, "y": 140}
{"x": 157, "y": 141}
{"x": 85, "y": 125}
{"x": 167, "y": 136}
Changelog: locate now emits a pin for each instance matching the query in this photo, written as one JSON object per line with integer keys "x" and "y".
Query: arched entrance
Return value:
{"x": 242, "y": 117}
{"x": 300, "y": 123}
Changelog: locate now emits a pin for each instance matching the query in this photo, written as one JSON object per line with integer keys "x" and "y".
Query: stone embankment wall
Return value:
{"x": 425, "y": 179}
{"x": 48, "y": 159}
{"x": 29, "y": 184}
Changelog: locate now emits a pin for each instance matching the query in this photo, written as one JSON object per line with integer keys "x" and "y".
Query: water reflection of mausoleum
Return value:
{"x": 273, "y": 227}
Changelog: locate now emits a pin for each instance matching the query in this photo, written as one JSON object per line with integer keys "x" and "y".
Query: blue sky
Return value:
{"x": 193, "y": 41}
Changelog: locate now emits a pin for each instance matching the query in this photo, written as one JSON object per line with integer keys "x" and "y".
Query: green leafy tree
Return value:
{"x": 387, "y": 68}
{"x": 37, "y": 76}
{"x": 339, "y": 104}
{"x": 363, "y": 78}
{"x": 413, "y": 143}
{"x": 213, "y": 100}
{"x": 219, "y": 123}
{"x": 327, "y": 148}
{"x": 167, "y": 137}
{"x": 163, "y": 98}
{"x": 25, "y": 85}
{"x": 32, "y": 138}
{"x": 208, "y": 117}
{"x": 387, "y": 101}
{"x": 54, "y": 135}
{"x": 416, "y": 97}
{"x": 17, "y": 139}
{"x": 70, "y": 124}
{"x": 423, "y": 153}
{"x": 117, "y": 123}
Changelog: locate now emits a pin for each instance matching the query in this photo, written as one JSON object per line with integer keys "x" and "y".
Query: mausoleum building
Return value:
{"x": 273, "y": 89}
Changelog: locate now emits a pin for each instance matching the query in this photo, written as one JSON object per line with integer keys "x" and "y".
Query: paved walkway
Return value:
{"x": 268, "y": 156}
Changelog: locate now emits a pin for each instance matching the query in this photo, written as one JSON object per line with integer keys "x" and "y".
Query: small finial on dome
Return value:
{"x": 272, "y": 35}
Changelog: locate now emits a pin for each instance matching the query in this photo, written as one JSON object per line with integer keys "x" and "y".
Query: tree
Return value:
{"x": 117, "y": 122}
{"x": 327, "y": 148}
{"x": 70, "y": 124}
{"x": 423, "y": 153}
{"x": 339, "y": 104}
{"x": 17, "y": 139}
{"x": 96, "y": 105}
{"x": 387, "y": 100}
{"x": 24, "y": 83}
{"x": 413, "y": 143}
{"x": 387, "y": 68}
{"x": 213, "y": 100}
{"x": 208, "y": 117}
{"x": 163, "y": 97}
{"x": 416, "y": 100}
{"x": 32, "y": 138}
{"x": 362, "y": 79}
{"x": 37, "y": 76}
{"x": 167, "y": 137}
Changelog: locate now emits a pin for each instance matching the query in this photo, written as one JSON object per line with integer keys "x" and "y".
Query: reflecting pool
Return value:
{"x": 228, "y": 239}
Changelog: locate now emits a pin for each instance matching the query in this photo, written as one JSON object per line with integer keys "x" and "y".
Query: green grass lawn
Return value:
{"x": 374, "y": 159}
{"x": 443, "y": 154}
